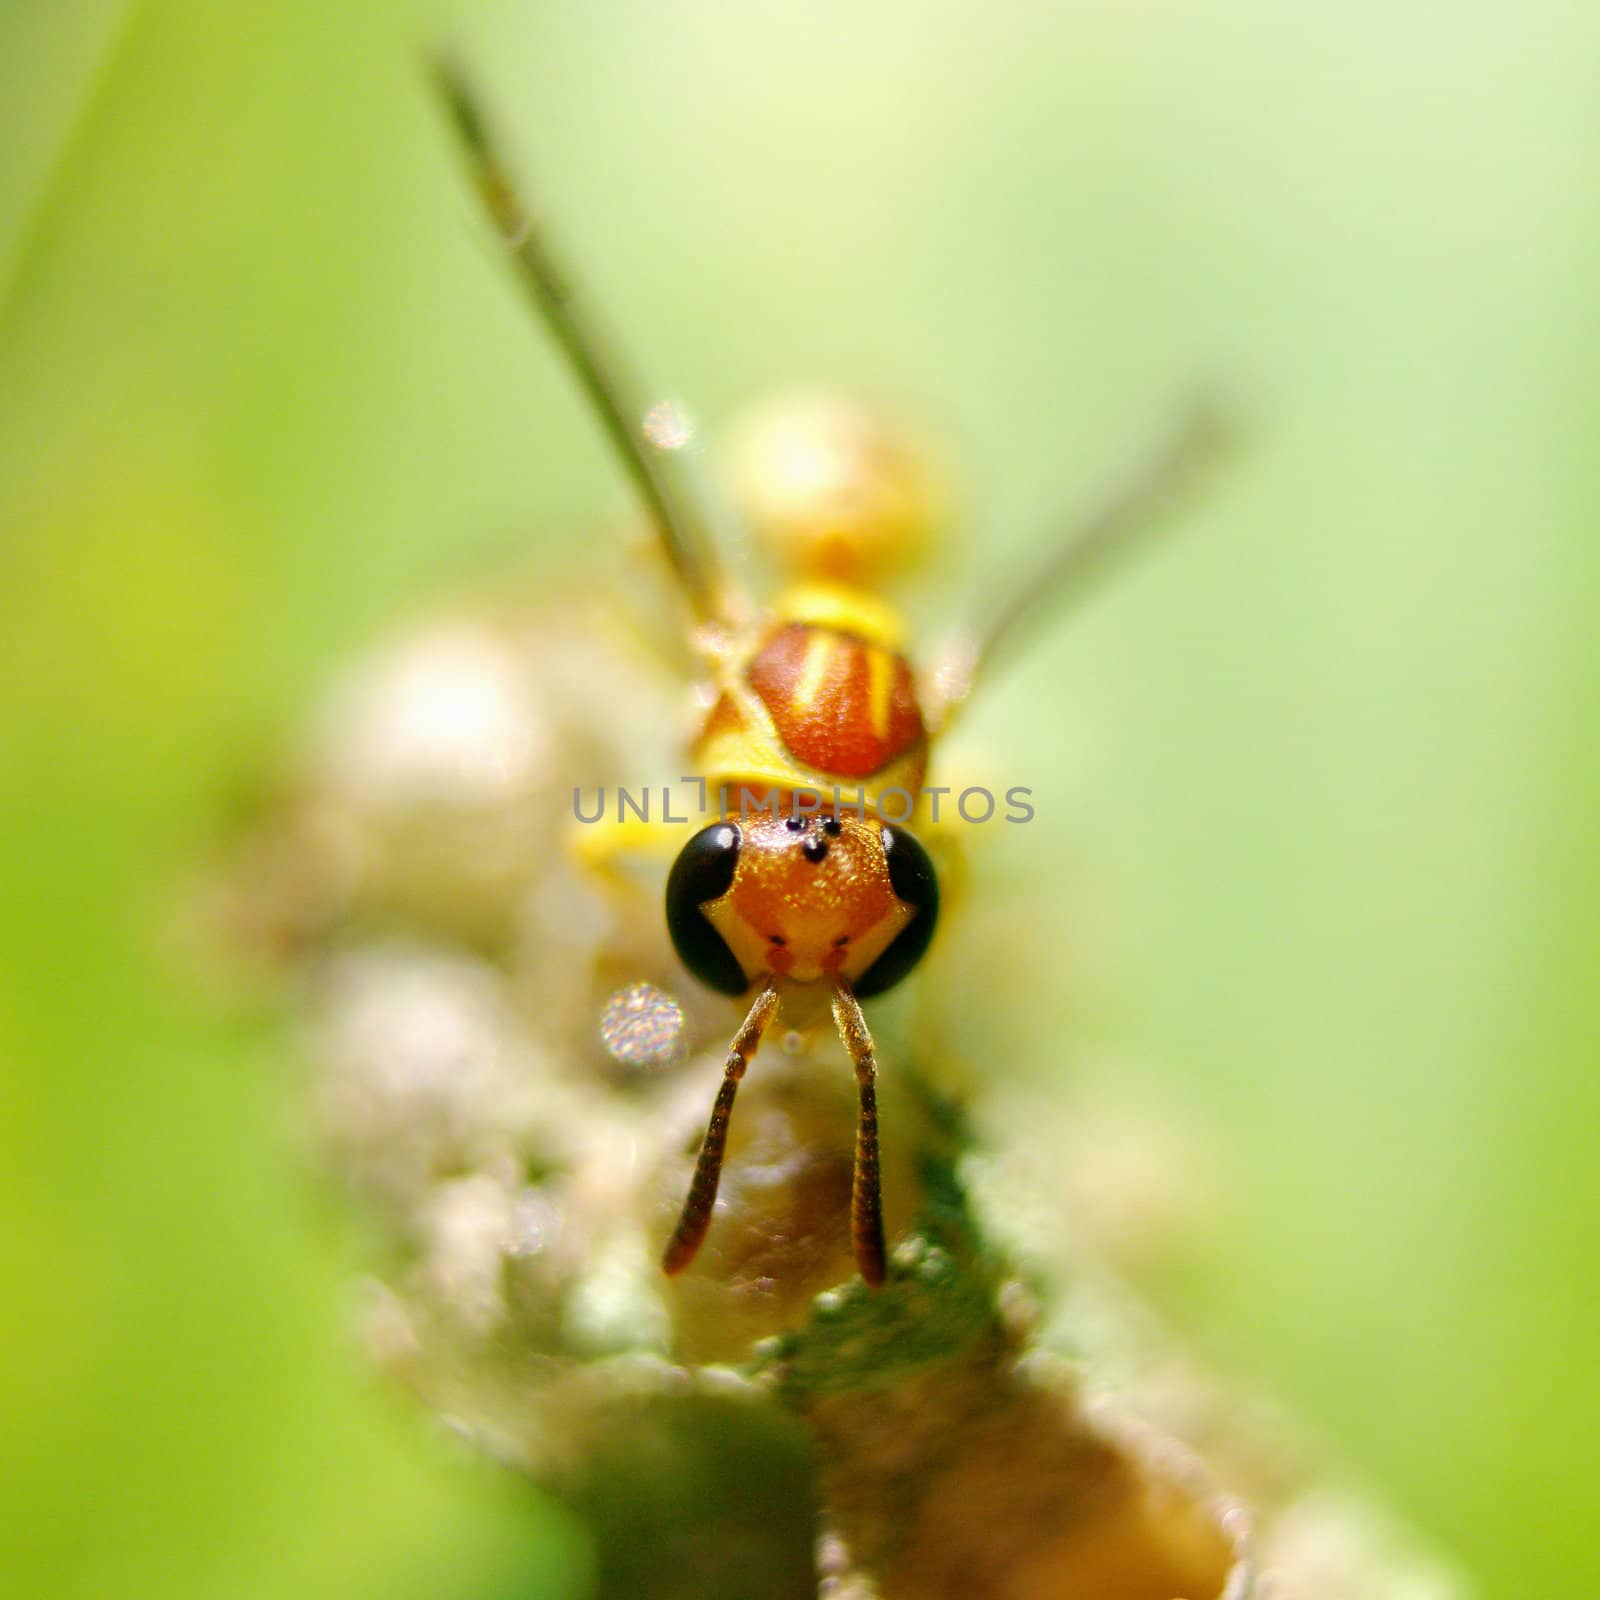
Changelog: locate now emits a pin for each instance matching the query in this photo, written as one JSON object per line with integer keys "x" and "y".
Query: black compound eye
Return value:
{"x": 914, "y": 881}
{"x": 702, "y": 872}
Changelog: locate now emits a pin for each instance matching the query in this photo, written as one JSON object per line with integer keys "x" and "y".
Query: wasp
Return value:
{"x": 813, "y": 697}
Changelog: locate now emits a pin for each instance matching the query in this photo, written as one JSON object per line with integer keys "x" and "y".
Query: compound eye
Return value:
{"x": 704, "y": 871}
{"x": 914, "y": 882}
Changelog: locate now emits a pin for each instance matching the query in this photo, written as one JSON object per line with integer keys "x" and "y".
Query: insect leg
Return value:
{"x": 866, "y": 1201}
{"x": 679, "y": 525}
{"x": 603, "y": 845}
{"x": 1091, "y": 543}
{"x": 695, "y": 1217}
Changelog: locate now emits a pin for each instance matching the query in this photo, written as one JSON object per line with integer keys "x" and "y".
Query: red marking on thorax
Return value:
{"x": 841, "y": 704}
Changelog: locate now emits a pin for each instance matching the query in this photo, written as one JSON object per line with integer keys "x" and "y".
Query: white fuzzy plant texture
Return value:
{"x": 507, "y": 1067}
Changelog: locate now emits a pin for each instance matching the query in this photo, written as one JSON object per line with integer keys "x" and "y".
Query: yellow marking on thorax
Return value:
{"x": 880, "y": 689}
{"x": 820, "y": 650}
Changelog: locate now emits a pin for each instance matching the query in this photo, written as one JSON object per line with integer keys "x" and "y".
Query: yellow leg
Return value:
{"x": 608, "y": 844}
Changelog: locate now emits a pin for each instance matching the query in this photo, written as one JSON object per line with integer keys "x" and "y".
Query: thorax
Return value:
{"x": 817, "y": 694}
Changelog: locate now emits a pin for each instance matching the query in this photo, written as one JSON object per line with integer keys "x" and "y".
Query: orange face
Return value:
{"x": 805, "y": 897}
{"x": 809, "y": 897}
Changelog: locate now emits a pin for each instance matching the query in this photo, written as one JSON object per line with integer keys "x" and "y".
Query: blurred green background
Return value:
{"x": 1334, "y": 751}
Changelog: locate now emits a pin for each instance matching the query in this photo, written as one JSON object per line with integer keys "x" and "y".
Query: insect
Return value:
{"x": 806, "y": 893}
